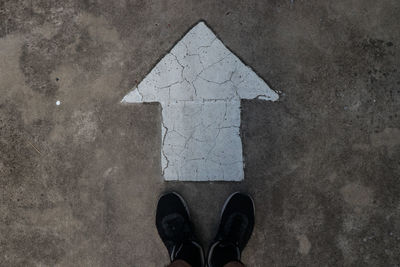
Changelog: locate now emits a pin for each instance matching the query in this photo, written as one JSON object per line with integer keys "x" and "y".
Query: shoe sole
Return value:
{"x": 222, "y": 212}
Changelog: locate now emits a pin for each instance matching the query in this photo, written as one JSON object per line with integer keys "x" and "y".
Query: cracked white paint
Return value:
{"x": 199, "y": 84}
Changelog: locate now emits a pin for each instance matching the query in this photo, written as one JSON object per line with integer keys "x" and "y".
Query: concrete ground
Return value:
{"x": 79, "y": 182}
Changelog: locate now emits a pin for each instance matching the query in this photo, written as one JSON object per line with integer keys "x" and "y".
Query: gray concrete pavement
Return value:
{"x": 79, "y": 182}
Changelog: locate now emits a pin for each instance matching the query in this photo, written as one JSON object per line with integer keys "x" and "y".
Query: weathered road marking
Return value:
{"x": 199, "y": 84}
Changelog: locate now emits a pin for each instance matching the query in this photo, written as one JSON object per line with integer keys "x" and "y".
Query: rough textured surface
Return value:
{"x": 322, "y": 162}
{"x": 199, "y": 85}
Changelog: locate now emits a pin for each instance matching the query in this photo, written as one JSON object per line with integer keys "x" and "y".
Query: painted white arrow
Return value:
{"x": 199, "y": 84}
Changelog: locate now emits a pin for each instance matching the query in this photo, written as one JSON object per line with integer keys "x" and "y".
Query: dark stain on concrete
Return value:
{"x": 79, "y": 182}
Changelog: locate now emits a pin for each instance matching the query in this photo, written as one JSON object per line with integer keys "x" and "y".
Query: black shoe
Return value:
{"x": 176, "y": 230}
{"x": 236, "y": 226}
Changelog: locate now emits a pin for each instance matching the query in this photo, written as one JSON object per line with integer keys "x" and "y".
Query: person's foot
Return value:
{"x": 236, "y": 226}
{"x": 176, "y": 230}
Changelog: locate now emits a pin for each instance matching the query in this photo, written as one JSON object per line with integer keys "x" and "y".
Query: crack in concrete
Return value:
{"x": 163, "y": 142}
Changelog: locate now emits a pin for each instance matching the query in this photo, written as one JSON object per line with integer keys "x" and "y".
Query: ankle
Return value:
{"x": 179, "y": 263}
{"x": 234, "y": 264}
